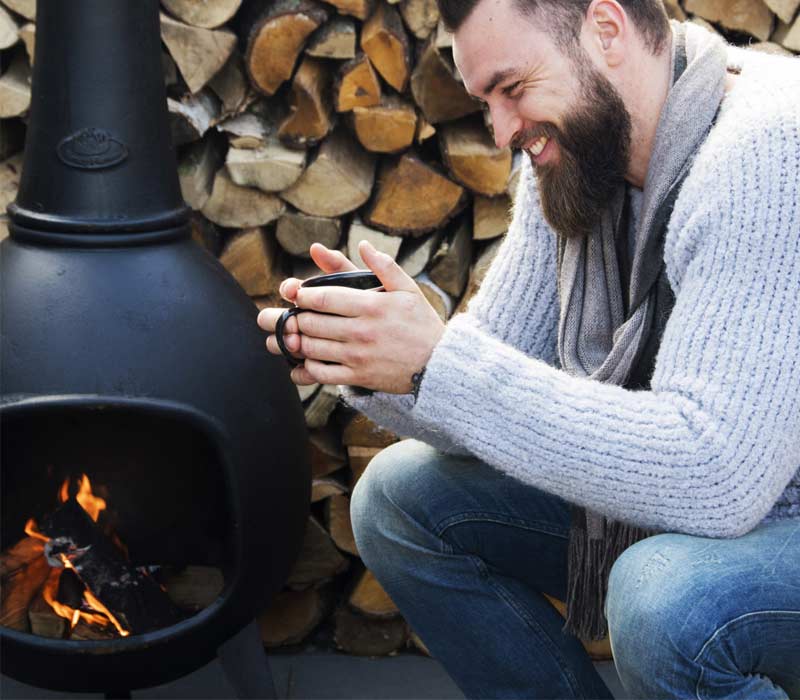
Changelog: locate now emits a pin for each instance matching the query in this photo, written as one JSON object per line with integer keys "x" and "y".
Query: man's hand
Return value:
{"x": 376, "y": 340}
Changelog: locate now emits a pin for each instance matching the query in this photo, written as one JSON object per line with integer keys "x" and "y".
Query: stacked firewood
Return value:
{"x": 299, "y": 121}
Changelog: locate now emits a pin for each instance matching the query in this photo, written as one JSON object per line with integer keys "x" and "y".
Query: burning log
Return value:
{"x": 114, "y": 586}
{"x": 23, "y": 571}
{"x": 194, "y": 587}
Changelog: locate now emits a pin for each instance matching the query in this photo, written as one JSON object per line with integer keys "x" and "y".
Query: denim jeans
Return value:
{"x": 466, "y": 552}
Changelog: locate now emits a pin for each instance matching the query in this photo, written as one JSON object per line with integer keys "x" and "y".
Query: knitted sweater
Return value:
{"x": 713, "y": 448}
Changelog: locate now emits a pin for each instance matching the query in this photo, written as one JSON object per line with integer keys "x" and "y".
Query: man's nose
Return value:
{"x": 505, "y": 123}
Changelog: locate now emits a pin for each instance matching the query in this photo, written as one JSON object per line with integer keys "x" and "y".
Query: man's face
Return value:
{"x": 554, "y": 104}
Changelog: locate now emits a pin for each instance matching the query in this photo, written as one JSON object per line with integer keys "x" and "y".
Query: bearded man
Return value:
{"x": 624, "y": 390}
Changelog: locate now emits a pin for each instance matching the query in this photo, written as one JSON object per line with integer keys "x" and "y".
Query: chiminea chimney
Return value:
{"x": 129, "y": 353}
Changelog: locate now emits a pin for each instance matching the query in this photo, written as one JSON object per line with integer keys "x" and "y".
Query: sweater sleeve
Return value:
{"x": 710, "y": 448}
{"x": 517, "y": 303}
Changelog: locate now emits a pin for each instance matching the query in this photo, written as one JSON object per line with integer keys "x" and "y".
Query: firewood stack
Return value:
{"x": 299, "y": 121}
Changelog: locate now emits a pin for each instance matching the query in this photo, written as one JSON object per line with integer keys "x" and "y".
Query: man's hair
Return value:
{"x": 565, "y": 17}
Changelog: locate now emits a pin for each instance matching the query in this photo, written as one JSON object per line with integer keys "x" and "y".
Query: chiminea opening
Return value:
{"x": 131, "y": 507}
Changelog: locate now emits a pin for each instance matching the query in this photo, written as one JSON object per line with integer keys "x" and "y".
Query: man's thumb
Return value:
{"x": 392, "y": 276}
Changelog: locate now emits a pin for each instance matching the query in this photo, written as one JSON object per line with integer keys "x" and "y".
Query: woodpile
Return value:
{"x": 299, "y": 121}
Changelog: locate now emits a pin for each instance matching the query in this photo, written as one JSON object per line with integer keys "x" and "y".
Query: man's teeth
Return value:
{"x": 538, "y": 146}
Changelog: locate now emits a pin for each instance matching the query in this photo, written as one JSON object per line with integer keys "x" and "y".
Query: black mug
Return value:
{"x": 356, "y": 279}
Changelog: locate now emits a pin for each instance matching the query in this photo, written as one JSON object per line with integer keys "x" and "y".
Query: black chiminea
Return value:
{"x": 129, "y": 354}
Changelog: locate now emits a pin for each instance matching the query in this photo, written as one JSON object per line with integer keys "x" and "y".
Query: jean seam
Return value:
{"x": 500, "y": 519}
{"x": 723, "y": 629}
{"x": 529, "y": 620}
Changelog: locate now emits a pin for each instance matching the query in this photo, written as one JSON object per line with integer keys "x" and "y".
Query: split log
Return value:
{"x": 27, "y": 32}
{"x": 15, "y": 86}
{"x": 386, "y": 128}
{"x": 369, "y": 598}
{"x": 598, "y": 650}
{"x": 383, "y": 242}
{"x": 169, "y": 69}
{"x": 309, "y": 120}
{"x": 198, "y": 53}
{"x": 197, "y": 168}
{"x": 207, "y": 15}
{"x": 336, "y": 39}
{"x": 384, "y": 41}
{"x": 473, "y": 159}
{"x": 424, "y": 129}
{"x": 270, "y": 168}
{"x": 246, "y": 130}
{"x": 360, "y": 430}
{"x": 785, "y": 9}
{"x": 252, "y": 258}
{"x": 9, "y": 31}
{"x": 450, "y": 265}
{"x": 416, "y": 253}
{"x": 205, "y": 234}
{"x": 359, "y": 459}
{"x": 357, "y": 8}
{"x": 276, "y": 38}
{"x": 233, "y": 206}
{"x": 412, "y": 198}
{"x": 326, "y": 452}
{"x": 26, "y": 8}
{"x": 321, "y": 406}
{"x": 132, "y": 596}
{"x": 291, "y": 617}
{"x": 43, "y": 620}
{"x": 490, "y": 216}
{"x": 337, "y": 182}
{"x": 478, "y": 273}
{"x": 743, "y": 15}
{"x": 319, "y": 559}
{"x": 364, "y": 636}
{"x": 297, "y": 231}
{"x": 444, "y": 38}
{"x": 23, "y": 572}
{"x": 337, "y": 517}
{"x": 356, "y": 85}
{"x": 440, "y": 300}
{"x": 194, "y": 588}
{"x": 231, "y": 86}
{"x": 420, "y": 16}
{"x": 10, "y": 172}
{"x": 192, "y": 115}
{"x": 674, "y": 10}
{"x": 437, "y": 92}
{"x": 326, "y": 487}
{"x": 788, "y": 36}
{"x": 416, "y": 640}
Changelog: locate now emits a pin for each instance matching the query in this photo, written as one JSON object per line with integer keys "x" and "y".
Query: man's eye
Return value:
{"x": 509, "y": 90}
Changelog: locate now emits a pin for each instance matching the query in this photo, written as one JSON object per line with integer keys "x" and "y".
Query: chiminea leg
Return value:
{"x": 246, "y": 665}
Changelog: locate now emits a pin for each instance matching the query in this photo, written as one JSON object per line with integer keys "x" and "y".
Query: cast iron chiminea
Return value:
{"x": 129, "y": 353}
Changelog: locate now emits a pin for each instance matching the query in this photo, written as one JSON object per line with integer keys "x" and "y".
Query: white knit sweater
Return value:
{"x": 714, "y": 447}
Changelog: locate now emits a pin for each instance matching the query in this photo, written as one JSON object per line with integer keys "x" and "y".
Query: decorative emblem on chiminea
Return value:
{"x": 133, "y": 373}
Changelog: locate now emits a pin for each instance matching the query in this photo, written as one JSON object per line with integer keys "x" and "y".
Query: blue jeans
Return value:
{"x": 466, "y": 552}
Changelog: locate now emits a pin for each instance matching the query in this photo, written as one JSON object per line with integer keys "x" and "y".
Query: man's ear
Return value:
{"x": 605, "y": 31}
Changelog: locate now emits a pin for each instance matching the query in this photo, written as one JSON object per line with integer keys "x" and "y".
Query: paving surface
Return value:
{"x": 312, "y": 676}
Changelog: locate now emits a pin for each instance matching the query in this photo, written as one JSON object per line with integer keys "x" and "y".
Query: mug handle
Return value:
{"x": 279, "y": 326}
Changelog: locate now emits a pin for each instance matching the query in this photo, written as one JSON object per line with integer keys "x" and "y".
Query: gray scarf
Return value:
{"x": 613, "y": 312}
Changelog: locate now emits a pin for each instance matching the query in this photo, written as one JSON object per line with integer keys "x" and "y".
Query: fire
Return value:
{"x": 89, "y": 502}
{"x": 93, "y": 505}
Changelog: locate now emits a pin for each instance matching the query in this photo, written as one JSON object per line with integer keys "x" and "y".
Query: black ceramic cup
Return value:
{"x": 357, "y": 279}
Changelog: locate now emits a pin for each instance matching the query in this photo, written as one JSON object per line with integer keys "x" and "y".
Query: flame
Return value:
{"x": 71, "y": 614}
{"x": 88, "y": 501}
{"x": 32, "y": 530}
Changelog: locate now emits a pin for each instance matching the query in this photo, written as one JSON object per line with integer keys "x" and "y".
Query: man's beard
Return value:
{"x": 594, "y": 147}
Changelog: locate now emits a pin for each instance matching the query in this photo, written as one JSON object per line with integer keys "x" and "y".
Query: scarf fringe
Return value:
{"x": 589, "y": 566}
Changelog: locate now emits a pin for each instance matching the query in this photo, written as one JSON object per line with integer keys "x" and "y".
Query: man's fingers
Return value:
{"x": 328, "y": 374}
{"x": 329, "y": 260}
{"x": 268, "y": 318}
{"x": 391, "y": 275}
{"x": 301, "y": 376}
{"x": 292, "y": 343}
{"x": 342, "y": 301}
{"x": 288, "y": 288}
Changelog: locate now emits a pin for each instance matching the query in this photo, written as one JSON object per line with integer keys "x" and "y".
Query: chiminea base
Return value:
{"x": 243, "y": 662}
